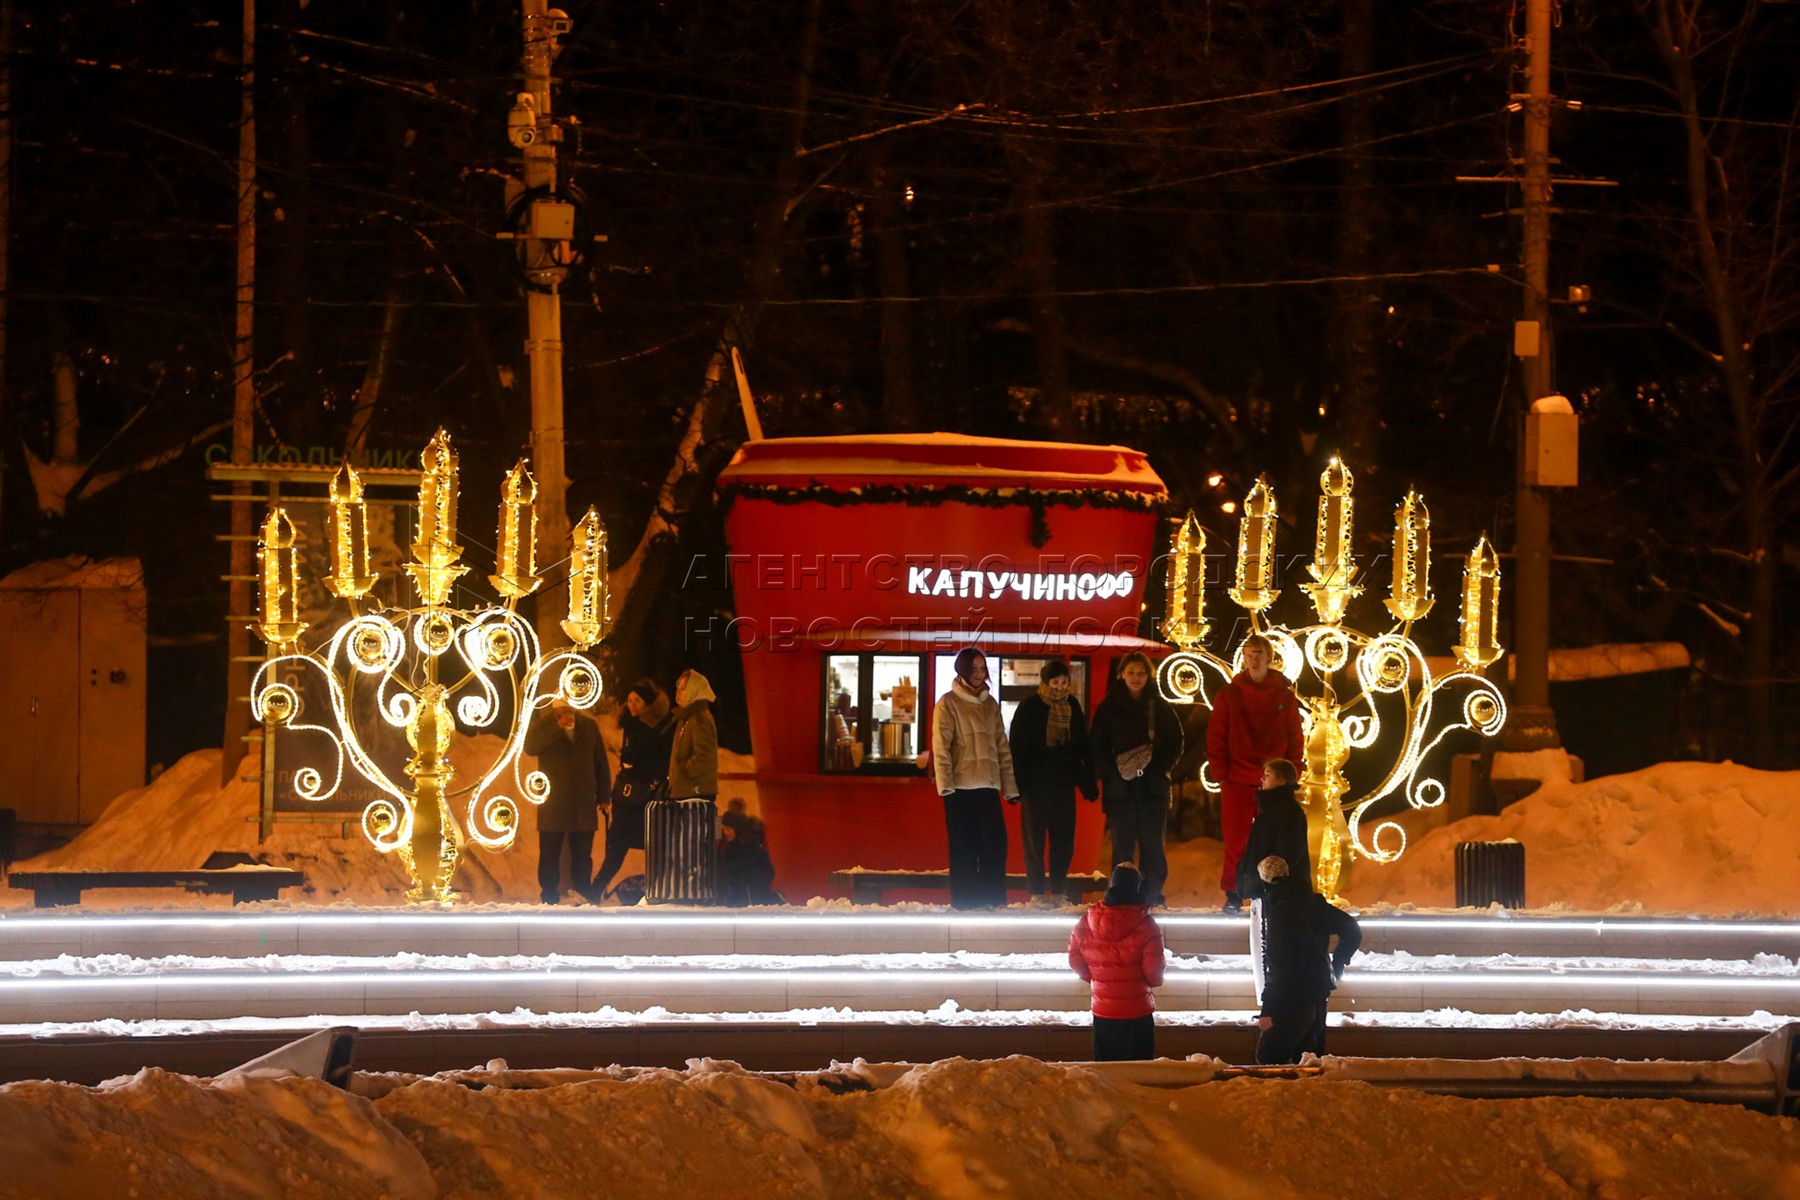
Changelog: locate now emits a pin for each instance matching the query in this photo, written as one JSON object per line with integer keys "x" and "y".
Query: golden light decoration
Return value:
{"x": 589, "y": 614}
{"x": 348, "y": 527}
{"x": 1333, "y": 567}
{"x": 1352, "y": 685}
{"x": 1185, "y": 619}
{"x": 1256, "y": 550}
{"x": 279, "y": 554}
{"x": 429, "y": 673}
{"x": 434, "y": 568}
{"x": 1480, "y": 642}
{"x": 1411, "y": 596}
{"x": 515, "y": 561}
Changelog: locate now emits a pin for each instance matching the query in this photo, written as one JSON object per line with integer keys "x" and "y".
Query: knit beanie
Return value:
{"x": 1272, "y": 868}
{"x": 1127, "y": 886}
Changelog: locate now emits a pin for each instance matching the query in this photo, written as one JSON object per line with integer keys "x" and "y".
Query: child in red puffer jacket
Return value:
{"x": 1118, "y": 948}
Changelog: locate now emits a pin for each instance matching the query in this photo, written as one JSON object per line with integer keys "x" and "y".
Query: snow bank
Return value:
{"x": 1709, "y": 838}
{"x": 1013, "y": 1127}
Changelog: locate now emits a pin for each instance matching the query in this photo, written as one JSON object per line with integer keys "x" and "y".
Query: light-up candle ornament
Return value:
{"x": 1372, "y": 697}
{"x": 431, "y": 673}
{"x": 1411, "y": 596}
{"x": 1480, "y": 642}
{"x": 434, "y": 568}
{"x": 1184, "y": 622}
{"x": 348, "y": 526}
{"x": 515, "y": 563}
{"x": 1256, "y": 549}
{"x": 1334, "y": 565}
{"x": 278, "y": 556}
{"x": 589, "y": 618}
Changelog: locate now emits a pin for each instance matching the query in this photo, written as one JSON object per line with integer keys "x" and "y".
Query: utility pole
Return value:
{"x": 243, "y": 419}
{"x": 544, "y": 231}
{"x": 1532, "y": 723}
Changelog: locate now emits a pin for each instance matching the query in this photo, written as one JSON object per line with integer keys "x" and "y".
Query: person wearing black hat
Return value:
{"x": 1117, "y": 948}
{"x": 645, "y": 733}
{"x": 1300, "y": 967}
{"x": 1049, "y": 737}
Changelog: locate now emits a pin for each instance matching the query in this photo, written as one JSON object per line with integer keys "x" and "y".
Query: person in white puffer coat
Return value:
{"x": 972, "y": 761}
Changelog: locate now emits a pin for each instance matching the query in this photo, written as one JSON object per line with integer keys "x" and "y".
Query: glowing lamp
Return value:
{"x": 1334, "y": 565}
{"x": 1184, "y": 622}
{"x": 1480, "y": 642}
{"x": 1256, "y": 549}
{"x": 589, "y": 618}
{"x": 278, "y": 555}
{"x": 434, "y": 568}
{"x": 1411, "y": 598}
{"x": 515, "y": 563}
{"x": 350, "y": 577}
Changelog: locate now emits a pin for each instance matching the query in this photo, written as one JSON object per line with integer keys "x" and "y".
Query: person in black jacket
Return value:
{"x": 1049, "y": 737}
{"x": 1279, "y": 829}
{"x": 1136, "y": 740}
{"x": 1302, "y": 969}
{"x": 645, "y": 734}
{"x": 568, "y": 749}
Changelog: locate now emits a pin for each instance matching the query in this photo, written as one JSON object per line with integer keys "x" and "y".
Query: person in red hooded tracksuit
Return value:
{"x": 1117, "y": 948}
{"x": 1255, "y": 717}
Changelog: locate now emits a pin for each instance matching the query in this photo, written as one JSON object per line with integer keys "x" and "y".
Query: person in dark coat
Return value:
{"x": 1049, "y": 737}
{"x": 1255, "y": 717}
{"x": 645, "y": 735}
{"x": 1279, "y": 829}
{"x": 746, "y": 873}
{"x": 1136, "y": 730}
{"x": 567, "y": 745}
{"x": 1301, "y": 968}
{"x": 1117, "y": 949}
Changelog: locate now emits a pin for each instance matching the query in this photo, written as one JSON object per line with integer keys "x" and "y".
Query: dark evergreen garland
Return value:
{"x": 926, "y": 496}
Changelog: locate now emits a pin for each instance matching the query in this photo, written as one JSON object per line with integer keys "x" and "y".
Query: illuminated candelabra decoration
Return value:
{"x": 1185, "y": 619}
{"x": 1256, "y": 550}
{"x": 589, "y": 615}
{"x": 1361, "y": 693}
{"x": 430, "y": 670}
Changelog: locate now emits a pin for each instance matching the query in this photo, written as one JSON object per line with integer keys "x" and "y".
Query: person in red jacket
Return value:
{"x": 1255, "y": 717}
{"x": 1117, "y": 948}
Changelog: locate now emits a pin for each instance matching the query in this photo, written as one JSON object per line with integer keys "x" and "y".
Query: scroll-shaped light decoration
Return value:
{"x": 589, "y": 618}
{"x": 1256, "y": 549}
{"x": 434, "y": 568}
{"x": 350, "y": 576}
{"x": 278, "y": 555}
{"x": 1184, "y": 622}
{"x": 1480, "y": 642}
{"x": 1334, "y": 564}
{"x": 1412, "y": 597}
{"x": 515, "y": 565}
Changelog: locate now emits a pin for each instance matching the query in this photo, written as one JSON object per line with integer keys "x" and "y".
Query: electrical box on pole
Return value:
{"x": 1552, "y": 443}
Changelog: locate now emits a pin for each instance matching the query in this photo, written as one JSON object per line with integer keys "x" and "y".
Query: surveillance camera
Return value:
{"x": 521, "y": 122}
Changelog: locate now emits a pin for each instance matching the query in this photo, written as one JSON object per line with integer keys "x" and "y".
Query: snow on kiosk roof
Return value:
{"x": 858, "y": 563}
{"x": 943, "y": 459}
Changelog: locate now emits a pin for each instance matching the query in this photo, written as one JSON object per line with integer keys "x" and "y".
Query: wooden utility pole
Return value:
{"x": 243, "y": 418}
{"x": 1532, "y": 723}
{"x": 6, "y": 139}
{"x": 547, "y": 233}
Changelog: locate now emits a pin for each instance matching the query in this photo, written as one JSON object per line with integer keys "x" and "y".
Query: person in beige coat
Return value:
{"x": 973, "y": 764}
{"x": 694, "y": 756}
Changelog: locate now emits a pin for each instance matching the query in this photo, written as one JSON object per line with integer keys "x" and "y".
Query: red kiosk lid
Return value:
{"x": 941, "y": 460}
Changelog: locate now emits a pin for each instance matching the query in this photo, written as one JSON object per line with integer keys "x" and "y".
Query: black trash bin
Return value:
{"x": 681, "y": 852}
{"x": 1490, "y": 873}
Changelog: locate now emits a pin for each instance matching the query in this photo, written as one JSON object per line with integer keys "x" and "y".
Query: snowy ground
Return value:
{"x": 1008, "y": 1128}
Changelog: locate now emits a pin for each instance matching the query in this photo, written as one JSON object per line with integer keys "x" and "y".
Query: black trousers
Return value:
{"x": 1294, "y": 1030}
{"x": 1047, "y": 821}
{"x": 977, "y": 831}
{"x": 618, "y": 844}
{"x": 1137, "y": 831}
{"x": 581, "y": 863}
{"x": 1125, "y": 1039}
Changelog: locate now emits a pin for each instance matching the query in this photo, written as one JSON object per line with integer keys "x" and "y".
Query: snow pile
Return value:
{"x": 1013, "y": 1127}
{"x": 1709, "y": 838}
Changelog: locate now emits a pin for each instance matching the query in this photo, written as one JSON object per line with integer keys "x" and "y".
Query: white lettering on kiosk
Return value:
{"x": 1027, "y": 585}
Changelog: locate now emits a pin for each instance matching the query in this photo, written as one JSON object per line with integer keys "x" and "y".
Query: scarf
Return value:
{"x": 969, "y": 691}
{"x": 1056, "y": 725}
